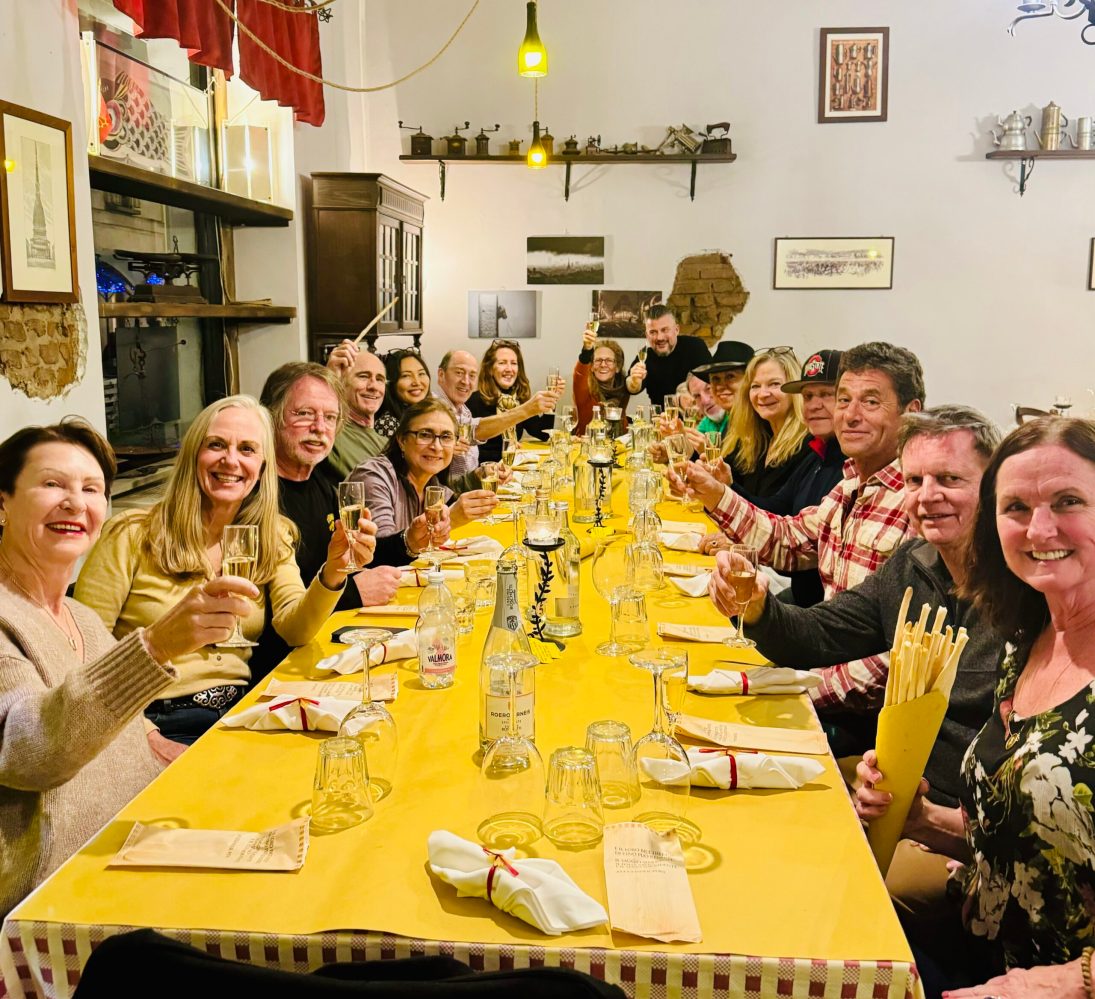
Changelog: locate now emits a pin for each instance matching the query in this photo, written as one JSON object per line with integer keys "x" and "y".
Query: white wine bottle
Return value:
{"x": 506, "y": 634}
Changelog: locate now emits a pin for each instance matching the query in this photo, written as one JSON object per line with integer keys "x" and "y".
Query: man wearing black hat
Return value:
{"x": 667, "y": 358}
{"x": 724, "y": 371}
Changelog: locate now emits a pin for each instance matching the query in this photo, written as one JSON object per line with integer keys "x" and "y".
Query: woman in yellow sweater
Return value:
{"x": 146, "y": 560}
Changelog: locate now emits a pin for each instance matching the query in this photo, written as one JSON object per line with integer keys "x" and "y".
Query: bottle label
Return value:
{"x": 566, "y": 606}
{"x": 437, "y": 657}
{"x": 497, "y": 720}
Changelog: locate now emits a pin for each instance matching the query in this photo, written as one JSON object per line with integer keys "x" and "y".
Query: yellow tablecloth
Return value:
{"x": 789, "y": 874}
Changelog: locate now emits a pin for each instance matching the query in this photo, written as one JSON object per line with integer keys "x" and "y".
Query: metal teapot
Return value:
{"x": 1053, "y": 125}
{"x": 1014, "y": 134}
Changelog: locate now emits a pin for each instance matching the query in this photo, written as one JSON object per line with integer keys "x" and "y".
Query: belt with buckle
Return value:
{"x": 213, "y": 698}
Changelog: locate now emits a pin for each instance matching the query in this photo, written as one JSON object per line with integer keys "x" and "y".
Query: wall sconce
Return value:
{"x": 532, "y": 58}
{"x": 537, "y": 156}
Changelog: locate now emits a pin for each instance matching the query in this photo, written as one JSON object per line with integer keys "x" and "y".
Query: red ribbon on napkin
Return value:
{"x": 497, "y": 861}
{"x": 299, "y": 702}
{"x": 744, "y": 682}
{"x": 730, "y": 756}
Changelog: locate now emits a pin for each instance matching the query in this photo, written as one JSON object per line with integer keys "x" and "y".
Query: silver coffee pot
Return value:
{"x": 1014, "y": 135}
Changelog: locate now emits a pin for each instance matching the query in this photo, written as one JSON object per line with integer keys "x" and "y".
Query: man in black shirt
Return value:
{"x": 668, "y": 358}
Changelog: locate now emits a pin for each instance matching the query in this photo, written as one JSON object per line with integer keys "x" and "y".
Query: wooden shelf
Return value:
{"x": 647, "y": 159}
{"x": 162, "y": 310}
{"x": 1026, "y": 158}
{"x": 121, "y": 178}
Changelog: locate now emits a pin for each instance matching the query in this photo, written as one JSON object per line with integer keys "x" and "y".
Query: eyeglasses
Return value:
{"x": 774, "y": 351}
{"x": 603, "y": 362}
{"x": 506, "y": 343}
{"x": 307, "y": 417}
{"x": 426, "y": 437}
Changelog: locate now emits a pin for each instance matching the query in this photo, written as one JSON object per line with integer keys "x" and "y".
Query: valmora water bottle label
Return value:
{"x": 440, "y": 658}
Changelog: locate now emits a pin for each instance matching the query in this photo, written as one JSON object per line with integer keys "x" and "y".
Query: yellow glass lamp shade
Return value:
{"x": 537, "y": 156}
{"x": 532, "y": 58}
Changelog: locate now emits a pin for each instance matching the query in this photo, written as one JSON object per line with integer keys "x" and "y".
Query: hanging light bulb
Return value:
{"x": 537, "y": 155}
{"x": 532, "y": 59}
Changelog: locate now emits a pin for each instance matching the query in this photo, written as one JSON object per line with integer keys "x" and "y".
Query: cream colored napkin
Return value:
{"x": 537, "y": 891}
{"x": 296, "y": 714}
{"x": 758, "y": 680}
{"x": 524, "y": 458}
{"x": 412, "y": 576}
{"x": 402, "y": 646}
{"x": 721, "y": 768}
{"x": 680, "y": 541}
{"x": 692, "y": 586}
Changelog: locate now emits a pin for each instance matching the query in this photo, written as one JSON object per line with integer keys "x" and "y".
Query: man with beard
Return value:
{"x": 667, "y": 359}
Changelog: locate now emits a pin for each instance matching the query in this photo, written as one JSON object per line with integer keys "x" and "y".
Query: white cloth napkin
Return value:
{"x": 693, "y": 586}
{"x": 523, "y": 458}
{"x": 758, "y": 680}
{"x": 537, "y": 891}
{"x": 680, "y": 542}
{"x": 297, "y": 714}
{"x": 417, "y": 577}
{"x": 742, "y": 770}
{"x": 402, "y": 646}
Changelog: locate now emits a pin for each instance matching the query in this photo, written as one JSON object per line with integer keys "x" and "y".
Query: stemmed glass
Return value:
{"x": 239, "y": 552}
{"x": 351, "y": 503}
{"x": 712, "y": 448}
{"x": 370, "y": 723}
{"x": 677, "y": 451}
{"x": 435, "y": 505}
{"x": 612, "y": 569}
{"x": 661, "y": 761}
{"x": 568, "y": 418}
{"x": 512, "y": 773}
{"x": 594, "y": 321}
{"x": 553, "y": 379}
{"x": 743, "y": 576}
{"x": 645, "y": 560}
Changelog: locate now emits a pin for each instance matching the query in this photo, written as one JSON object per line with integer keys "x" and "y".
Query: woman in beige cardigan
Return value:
{"x": 73, "y": 745}
{"x": 225, "y": 474}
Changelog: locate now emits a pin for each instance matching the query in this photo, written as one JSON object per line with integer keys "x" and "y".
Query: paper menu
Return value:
{"x": 386, "y": 609}
{"x": 695, "y": 632}
{"x": 736, "y": 736}
{"x": 681, "y": 569}
{"x": 282, "y": 848}
{"x": 382, "y": 687}
{"x": 647, "y": 885}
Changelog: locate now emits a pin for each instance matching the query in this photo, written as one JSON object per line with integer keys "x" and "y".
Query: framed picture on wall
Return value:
{"x": 1091, "y": 268}
{"x": 512, "y": 315}
{"x": 834, "y": 262}
{"x": 37, "y": 210}
{"x": 854, "y": 74}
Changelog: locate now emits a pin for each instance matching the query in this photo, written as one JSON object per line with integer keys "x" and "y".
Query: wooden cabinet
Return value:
{"x": 364, "y": 249}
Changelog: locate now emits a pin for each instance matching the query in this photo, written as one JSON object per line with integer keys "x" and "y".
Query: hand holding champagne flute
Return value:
{"x": 239, "y": 552}
{"x": 351, "y": 506}
{"x": 741, "y": 574}
{"x": 435, "y": 506}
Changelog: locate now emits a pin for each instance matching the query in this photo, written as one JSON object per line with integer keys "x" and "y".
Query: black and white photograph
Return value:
{"x": 512, "y": 315}
{"x": 843, "y": 262}
{"x": 622, "y": 314}
{"x": 565, "y": 260}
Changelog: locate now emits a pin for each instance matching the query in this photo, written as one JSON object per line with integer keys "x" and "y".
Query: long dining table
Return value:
{"x": 789, "y": 897}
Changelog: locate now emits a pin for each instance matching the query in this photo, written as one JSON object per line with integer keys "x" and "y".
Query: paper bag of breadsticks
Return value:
{"x": 923, "y": 664}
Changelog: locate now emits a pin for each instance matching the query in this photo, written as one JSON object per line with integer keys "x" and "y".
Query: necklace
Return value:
{"x": 70, "y": 637}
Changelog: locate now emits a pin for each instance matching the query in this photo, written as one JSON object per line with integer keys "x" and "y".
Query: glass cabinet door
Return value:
{"x": 387, "y": 262}
{"x": 411, "y": 303}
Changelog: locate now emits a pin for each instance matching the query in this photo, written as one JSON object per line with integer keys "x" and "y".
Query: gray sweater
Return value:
{"x": 73, "y": 748}
{"x": 860, "y": 622}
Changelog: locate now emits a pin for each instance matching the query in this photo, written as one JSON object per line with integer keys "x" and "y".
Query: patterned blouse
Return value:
{"x": 1029, "y": 822}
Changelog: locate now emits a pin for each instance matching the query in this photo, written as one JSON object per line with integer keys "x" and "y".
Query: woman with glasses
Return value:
{"x": 148, "y": 560}
{"x": 418, "y": 455}
{"x": 503, "y": 385}
{"x": 599, "y": 379}
{"x": 408, "y": 383}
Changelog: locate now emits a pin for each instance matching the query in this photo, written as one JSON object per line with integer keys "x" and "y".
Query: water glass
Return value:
{"x": 610, "y": 743}
{"x": 631, "y": 628}
{"x": 572, "y": 812}
{"x": 480, "y": 575}
{"x": 340, "y": 794}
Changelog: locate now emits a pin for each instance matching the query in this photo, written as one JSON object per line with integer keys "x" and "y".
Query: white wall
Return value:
{"x": 40, "y": 69}
{"x": 989, "y": 289}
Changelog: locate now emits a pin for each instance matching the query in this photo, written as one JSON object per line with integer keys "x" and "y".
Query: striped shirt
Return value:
{"x": 847, "y": 536}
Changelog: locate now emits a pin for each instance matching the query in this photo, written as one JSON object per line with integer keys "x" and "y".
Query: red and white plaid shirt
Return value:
{"x": 847, "y": 536}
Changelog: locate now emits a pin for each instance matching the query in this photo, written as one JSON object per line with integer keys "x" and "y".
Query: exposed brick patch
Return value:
{"x": 707, "y": 295}
{"x": 42, "y": 347}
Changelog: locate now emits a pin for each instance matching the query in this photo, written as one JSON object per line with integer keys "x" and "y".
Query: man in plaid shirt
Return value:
{"x": 859, "y": 524}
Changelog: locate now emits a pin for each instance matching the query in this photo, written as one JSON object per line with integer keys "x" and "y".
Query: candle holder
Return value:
{"x": 602, "y": 474}
{"x": 543, "y": 547}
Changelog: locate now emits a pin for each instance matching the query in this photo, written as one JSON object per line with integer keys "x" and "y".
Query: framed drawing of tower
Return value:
{"x": 37, "y": 213}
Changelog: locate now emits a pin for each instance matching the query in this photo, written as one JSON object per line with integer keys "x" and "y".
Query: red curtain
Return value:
{"x": 205, "y": 30}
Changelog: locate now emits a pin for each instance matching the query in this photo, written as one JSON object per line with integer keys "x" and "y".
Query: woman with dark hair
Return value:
{"x": 408, "y": 383}
{"x": 73, "y": 745}
{"x": 503, "y": 385}
{"x": 1025, "y": 828}
{"x": 418, "y": 455}
{"x": 599, "y": 379}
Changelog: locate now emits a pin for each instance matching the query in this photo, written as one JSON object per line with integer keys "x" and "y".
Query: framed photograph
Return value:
{"x": 37, "y": 210}
{"x": 623, "y": 314}
{"x": 512, "y": 315}
{"x": 565, "y": 260}
{"x": 854, "y": 74}
{"x": 844, "y": 262}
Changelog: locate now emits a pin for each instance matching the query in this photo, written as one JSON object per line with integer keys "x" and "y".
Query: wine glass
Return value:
{"x": 370, "y": 723}
{"x": 351, "y": 504}
{"x": 512, "y": 773}
{"x": 743, "y": 575}
{"x": 712, "y": 448}
{"x": 553, "y": 379}
{"x": 435, "y": 506}
{"x": 612, "y": 580}
{"x": 568, "y": 418}
{"x": 239, "y": 552}
{"x": 644, "y": 557}
{"x": 660, "y": 760}
{"x": 594, "y": 322}
{"x": 677, "y": 451}
{"x": 463, "y": 433}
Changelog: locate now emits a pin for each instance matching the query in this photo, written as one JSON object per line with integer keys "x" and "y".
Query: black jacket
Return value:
{"x": 860, "y": 622}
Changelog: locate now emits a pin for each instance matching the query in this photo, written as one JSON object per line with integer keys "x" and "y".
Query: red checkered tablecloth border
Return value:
{"x": 44, "y": 961}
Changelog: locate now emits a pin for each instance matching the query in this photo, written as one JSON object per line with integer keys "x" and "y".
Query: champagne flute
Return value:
{"x": 568, "y": 416}
{"x": 435, "y": 505}
{"x": 743, "y": 575}
{"x": 553, "y": 379}
{"x": 463, "y": 433}
{"x": 670, "y": 402}
{"x": 594, "y": 322}
{"x": 239, "y": 552}
{"x": 351, "y": 504}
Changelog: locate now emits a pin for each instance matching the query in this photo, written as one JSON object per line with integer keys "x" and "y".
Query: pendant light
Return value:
{"x": 537, "y": 155}
{"x": 532, "y": 59}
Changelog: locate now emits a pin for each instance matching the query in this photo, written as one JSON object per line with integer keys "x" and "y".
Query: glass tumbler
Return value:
{"x": 610, "y": 743}
{"x": 572, "y": 811}
{"x": 340, "y": 794}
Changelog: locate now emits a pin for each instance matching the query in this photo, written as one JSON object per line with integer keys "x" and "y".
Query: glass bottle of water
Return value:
{"x": 506, "y": 635}
{"x": 561, "y": 606}
{"x": 436, "y": 633}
